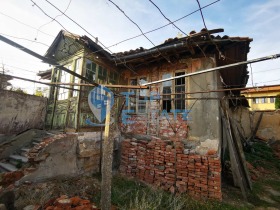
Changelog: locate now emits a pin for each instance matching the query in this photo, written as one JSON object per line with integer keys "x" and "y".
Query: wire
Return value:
{"x": 86, "y": 32}
{"x": 163, "y": 25}
{"x": 34, "y": 4}
{"x": 75, "y": 22}
{"x": 167, "y": 18}
{"x": 29, "y": 40}
{"x": 25, "y": 24}
{"x": 252, "y": 80}
{"x": 202, "y": 16}
{"x": 139, "y": 29}
{"x": 54, "y": 18}
{"x": 176, "y": 26}
{"x": 20, "y": 68}
{"x": 266, "y": 70}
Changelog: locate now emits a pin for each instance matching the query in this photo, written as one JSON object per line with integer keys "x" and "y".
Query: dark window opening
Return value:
{"x": 180, "y": 91}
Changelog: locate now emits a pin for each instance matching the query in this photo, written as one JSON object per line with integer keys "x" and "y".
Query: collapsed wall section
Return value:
{"x": 166, "y": 164}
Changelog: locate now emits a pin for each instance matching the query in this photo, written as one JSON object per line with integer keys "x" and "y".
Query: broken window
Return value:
{"x": 76, "y": 79}
{"x": 64, "y": 78}
{"x": 138, "y": 100}
{"x": 102, "y": 75}
{"x": 90, "y": 70}
{"x": 132, "y": 98}
{"x": 180, "y": 84}
{"x": 166, "y": 91}
{"x": 114, "y": 77}
{"x": 142, "y": 96}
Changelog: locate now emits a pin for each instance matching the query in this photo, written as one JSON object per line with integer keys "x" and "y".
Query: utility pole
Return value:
{"x": 107, "y": 156}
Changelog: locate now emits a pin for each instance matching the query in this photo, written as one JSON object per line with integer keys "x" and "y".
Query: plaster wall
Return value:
{"x": 20, "y": 112}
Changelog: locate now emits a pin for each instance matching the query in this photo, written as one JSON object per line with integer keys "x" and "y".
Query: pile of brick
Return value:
{"x": 164, "y": 164}
{"x": 65, "y": 203}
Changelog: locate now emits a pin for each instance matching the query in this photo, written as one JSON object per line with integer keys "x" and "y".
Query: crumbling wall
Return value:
{"x": 168, "y": 165}
{"x": 64, "y": 155}
{"x": 20, "y": 112}
{"x": 201, "y": 123}
{"x": 246, "y": 121}
{"x": 269, "y": 127}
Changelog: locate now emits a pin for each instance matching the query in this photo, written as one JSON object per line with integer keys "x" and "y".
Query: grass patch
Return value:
{"x": 262, "y": 155}
{"x": 128, "y": 194}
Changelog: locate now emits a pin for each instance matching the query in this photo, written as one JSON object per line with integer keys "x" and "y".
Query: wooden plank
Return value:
{"x": 107, "y": 85}
{"x": 235, "y": 161}
{"x": 241, "y": 156}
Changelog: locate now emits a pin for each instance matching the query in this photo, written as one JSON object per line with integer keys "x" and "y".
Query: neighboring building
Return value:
{"x": 262, "y": 100}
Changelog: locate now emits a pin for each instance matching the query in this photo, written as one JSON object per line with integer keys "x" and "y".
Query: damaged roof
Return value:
{"x": 231, "y": 50}
{"x": 188, "y": 43}
{"x": 67, "y": 44}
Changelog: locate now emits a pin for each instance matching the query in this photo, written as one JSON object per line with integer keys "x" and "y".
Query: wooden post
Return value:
{"x": 107, "y": 159}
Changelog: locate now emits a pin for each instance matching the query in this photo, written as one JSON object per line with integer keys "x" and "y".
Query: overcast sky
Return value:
{"x": 21, "y": 19}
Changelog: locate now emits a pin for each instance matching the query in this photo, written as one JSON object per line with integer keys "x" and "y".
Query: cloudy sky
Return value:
{"x": 22, "y": 19}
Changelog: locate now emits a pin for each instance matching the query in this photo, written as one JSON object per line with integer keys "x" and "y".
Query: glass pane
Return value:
{"x": 167, "y": 83}
{"x": 144, "y": 92}
{"x": 180, "y": 81}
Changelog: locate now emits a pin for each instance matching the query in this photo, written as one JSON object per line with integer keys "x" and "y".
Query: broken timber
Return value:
{"x": 238, "y": 165}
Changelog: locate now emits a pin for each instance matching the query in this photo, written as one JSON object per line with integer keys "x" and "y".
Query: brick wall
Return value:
{"x": 166, "y": 164}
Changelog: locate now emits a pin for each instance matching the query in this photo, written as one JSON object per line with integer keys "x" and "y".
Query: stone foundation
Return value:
{"x": 164, "y": 164}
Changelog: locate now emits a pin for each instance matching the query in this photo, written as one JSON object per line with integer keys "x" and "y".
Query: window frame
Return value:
{"x": 137, "y": 94}
{"x": 173, "y": 90}
{"x": 63, "y": 93}
{"x": 76, "y": 79}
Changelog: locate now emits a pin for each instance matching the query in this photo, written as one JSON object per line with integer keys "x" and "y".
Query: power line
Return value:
{"x": 29, "y": 40}
{"x": 25, "y": 24}
{"x": 176, "y": 26}
{"x": 20, "y": 68}
{"x": 82, "y": 29}
{"x": 139, "y": 29}
{"x": 270, "y": 81}
{"x": 266, "y": 70}
{"x": 164, "y": 25}
{"x": 54, "y": 18}
{"x": 202, "y": 16}
{"x": 252, "y": 79}
{"x": 167, "y": 18}
{"x": 131, "y": 37}
{"x": 75, "y": 22}
{"x": 35, "y": 4}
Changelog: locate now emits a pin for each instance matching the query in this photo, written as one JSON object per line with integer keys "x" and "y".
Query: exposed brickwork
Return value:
{"x": 164, "y": 164}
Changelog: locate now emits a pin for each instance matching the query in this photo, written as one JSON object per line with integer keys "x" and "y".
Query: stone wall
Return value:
{"x": 20, "y": 112}
{"x": 172, "y": 167}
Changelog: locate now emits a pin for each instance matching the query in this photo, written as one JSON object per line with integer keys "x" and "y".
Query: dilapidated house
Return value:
{"x": 180, "y": 117}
